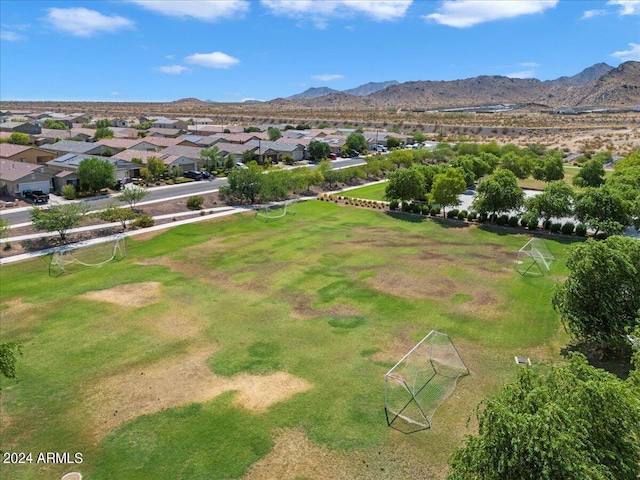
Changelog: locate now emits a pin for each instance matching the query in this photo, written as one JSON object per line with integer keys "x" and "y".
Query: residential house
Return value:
{"x": 235, "y": 149}
{"x": 191, "y": 153}
{"x": 170, "y": 124}
{"x": 25, "y": 153}
{"x": 65, "y": 168}
{"x": 69, "y": 146}
{"x": 21, "y": 127}
{"x": 275, "y": 150}
{"x": 18, "y": 177}
{"x": 118, "y": 144}
{"x": 125, "y": 132}
{"x": 164, "y": 132}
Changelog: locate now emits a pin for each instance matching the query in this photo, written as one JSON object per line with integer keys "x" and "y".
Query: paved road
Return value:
{"x": 158, "y": 194}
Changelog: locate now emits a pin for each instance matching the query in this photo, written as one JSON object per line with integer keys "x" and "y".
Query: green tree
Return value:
{"x": 244, "y": 184}
{"x": 9, "y": 353}
{"x": 631, "y": 160}
{"x": 603, "y": 209}
{"x": 356, "y": 142}
{"x": 132, "y": 195}
{"x": 520, "y": 165}
{"x": 324, "y": 125}
{"x": 591, "y": 174}
{"x": 274, "y": 133}
{"x": 251, "y": 129}
{"x": 95, "y": 174}
{"x": 599, "y": 300}
{"x": 319, "y": 150}
{"x": 463, "y": 148}
{"x": 556, "y": 200}
{"x": 401, "y": 157}
{"x": 59, "y": 218}
{"x": 548, "y": 168}
{"x": 576, "y": 422}
{"x": 54, "y": 125}
{"x": 447, "y": 186}
{"x": 405, "y": 184}
{"x": 157, "y": 168}
{"x": 249, "y": 156}
{"x": 211, "y": 158}
{"x": 393, "y": 142}
{"x": 115, "y": 213}
{"x": 103, "y": 123}
{"x": 19, "y": 138}
{"x": 466, "y": 164}
{"x": 103, "y": 132}
{"x": 303, "y": 126}
{"x": 498, "y": 192}
{"x": 4, "y": 228}
{"x": 419, "y": 137}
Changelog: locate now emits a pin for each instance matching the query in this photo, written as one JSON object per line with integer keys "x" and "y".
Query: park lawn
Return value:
{"x": 570, "y": 171}
{"x": 370, "y": 192}
{"x": 148, "y": 365}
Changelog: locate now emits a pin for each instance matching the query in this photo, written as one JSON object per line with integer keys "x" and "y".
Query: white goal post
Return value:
{"x": 273, "y": 211}
{"x": 534, "y": 258}
{"x": 95, "y": 253}
{"x": 417, "y": 385}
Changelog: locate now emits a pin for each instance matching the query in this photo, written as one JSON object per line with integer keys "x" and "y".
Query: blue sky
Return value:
{"x": 234, "y": 50}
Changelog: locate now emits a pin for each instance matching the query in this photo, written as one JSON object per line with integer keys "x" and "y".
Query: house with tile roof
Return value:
{"x": 69, "y": 146}
{"x": 19, "y": 177}
{"x": 65, "y": 168}
{"x": 25, "y": 153}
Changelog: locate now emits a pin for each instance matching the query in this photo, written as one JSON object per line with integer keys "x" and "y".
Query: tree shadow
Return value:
{"x": 617, "y": 363}
{"x": 450, "y": 222}
{"x": 407, "y": 217}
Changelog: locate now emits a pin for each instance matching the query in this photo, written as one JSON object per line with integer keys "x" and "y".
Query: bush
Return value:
{"x": 532, "y": 224}
{"x": 581, "y": 230}
{"x": 68, "y": 192}
{"x": 471, "y": 216}
{"x": 434, "y": 211}
{"x": 568, "y": 228}
{"x": 143, "y": 221}
{"x": 547, "y": 224}
{"x": 184, "y": 180}
{"x": 425, "y": 209}
{"x": 502, "y": 219}
{"x": 513, "y": 221}
{"x": 555, "y": 227}
{"x": 453, "y": 213}
{"x": 482, "y": 217}
{"x": 195, "y": 202}
{"x": 462, "y": 214}
{"x": 406, "y": 207}
{"x": 393, "y": 204}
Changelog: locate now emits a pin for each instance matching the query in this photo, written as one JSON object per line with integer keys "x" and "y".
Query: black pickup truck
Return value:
{"x": 36, "y": 196}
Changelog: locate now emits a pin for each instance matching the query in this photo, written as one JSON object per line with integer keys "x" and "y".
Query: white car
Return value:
{"x": 241, "y": 165}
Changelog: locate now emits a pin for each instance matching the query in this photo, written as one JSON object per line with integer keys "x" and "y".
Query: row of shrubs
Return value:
{"x": 363, "y": 202}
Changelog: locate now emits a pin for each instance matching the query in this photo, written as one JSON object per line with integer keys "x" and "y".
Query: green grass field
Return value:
{"x": 570, "y": 171}
{"x": 239, "y": 348}
{"x": 370, "y": 192}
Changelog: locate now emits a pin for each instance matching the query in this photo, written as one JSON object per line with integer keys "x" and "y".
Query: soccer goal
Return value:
{"x": 93, "y": 254}
{"x": 274, "y": 211}
{"x": 534, "y": 258}
{"x": 417, "y": 385}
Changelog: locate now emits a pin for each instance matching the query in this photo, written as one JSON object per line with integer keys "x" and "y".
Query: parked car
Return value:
{"x": 333, "y": 156}
{"x": 194, "y": 174}
{"x": 241, "y": 165}
{"x": 205, "y": 174}
{"x": 36, "y": 196}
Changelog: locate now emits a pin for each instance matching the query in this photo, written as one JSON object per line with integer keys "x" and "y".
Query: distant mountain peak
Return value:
{"x": 313, "y": 92}
{"x": 371, "y": 87}
{"x": 585, "y": 76}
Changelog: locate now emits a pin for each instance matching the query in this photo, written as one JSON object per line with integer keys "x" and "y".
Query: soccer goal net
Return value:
{"x": 534, "y": 258}
{"x": 94, "y": 254}
{"x": 276, "y": 210}
{"x": 417, "y": 385}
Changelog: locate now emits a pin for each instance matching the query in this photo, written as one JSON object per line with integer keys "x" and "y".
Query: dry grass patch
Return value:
{"x": 169, "y": 383}
{"x": 128, "y": 294}
{"x": 411, "y": 286}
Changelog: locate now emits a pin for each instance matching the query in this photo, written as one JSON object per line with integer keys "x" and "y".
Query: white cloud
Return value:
{"x": 116, "y": 94}
{"x": 467, "y": 13}
{"x": 11, "y": 36}
{"x": 319, "y": 12}
{"x": 529, "y": 64}
{"x": 207, "y": 10}
{"x": 172, "y": 69}
{"x": 522, "y": 74}
{"x": 626, "y": 55}
{"x": 628, "y": 7}
{"x": 83, "y": 22}
{"x": 592, "y": 13}
{"x": 328, "y": 77}
{"x": 212, "y": 60}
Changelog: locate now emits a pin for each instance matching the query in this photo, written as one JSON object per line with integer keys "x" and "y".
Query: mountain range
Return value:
{"x": 598, "y": 86}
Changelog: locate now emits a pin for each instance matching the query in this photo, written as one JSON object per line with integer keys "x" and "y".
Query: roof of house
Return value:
{"x": 120, "y": 143}
{"x": 277, "y": 146}
{"x": 166, "y": 132}
{"x": 72, "y": 160}
{"x": 9, "y": 149}
{"x": 188, "y": 152}
{"x": 162, "y": 141}
{"x": 124, "y": 132}
{"x": 225, "y": 147}
{"x": 129, "y": 155}
{"x": 71, "y": 146}
{"x": 12, "y": 171}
